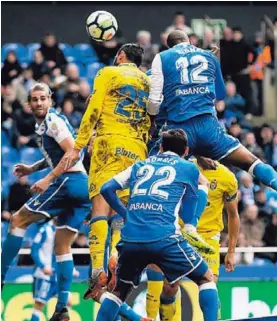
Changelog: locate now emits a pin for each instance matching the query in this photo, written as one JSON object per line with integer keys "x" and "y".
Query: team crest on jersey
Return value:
{"x": 213, "y": 184}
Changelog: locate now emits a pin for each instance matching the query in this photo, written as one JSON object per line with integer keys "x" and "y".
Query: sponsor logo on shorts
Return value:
{"x": 91, "y": 187}
{"x": 37, "y": 202}
{"x": 213, "y": 184}
{"x": 126, "y": 153}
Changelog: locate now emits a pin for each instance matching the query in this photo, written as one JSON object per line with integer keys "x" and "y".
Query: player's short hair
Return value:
{"x": 134, "y": 52}
{"x": 39, "y": 86}
{"x": 175, "y": 37}
{"x": 175, "y": 140}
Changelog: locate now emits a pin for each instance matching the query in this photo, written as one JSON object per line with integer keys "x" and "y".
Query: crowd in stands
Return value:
{"x": 70, "y": 70}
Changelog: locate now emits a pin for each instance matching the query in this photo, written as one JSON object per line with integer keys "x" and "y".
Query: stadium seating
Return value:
{"x": 93, "y": 68}
{"x": 31, "y": 48}
{"x": 30, "y": 155}
{"x": 19, "y": 49}
{"x": 10, "y": 156}
{"x": 85, "y": 53}
{"x": 4, "y": 139}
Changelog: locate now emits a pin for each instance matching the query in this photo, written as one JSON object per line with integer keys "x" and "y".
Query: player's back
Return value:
{"x": 157, "y": 187}
{"x": 223, "y": 187}
{"x": 124, "y": 106}
{"x": 189, "y": 82}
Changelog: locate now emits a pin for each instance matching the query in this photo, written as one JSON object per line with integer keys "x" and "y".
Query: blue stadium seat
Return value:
{"x": 4, "y": 231}
{"x": 30, "y": 155}
{"x": 5, "y": 139}
{"x": 20, "y": 51}
{"x": 67, "y": 49}
{"x": 10, "y": 156}
{"x": 82, "y": 69}
{"x": 31, "y": 48}
{"x": 93, "y": 68}
{"x": 85, "y": 53}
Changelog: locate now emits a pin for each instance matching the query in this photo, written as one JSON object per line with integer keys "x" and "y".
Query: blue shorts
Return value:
{"x": 206, "y": 137}
{"x": 44, "y": 290}
{"x": 67, "y": 197}
{"x": 173, "y": 255}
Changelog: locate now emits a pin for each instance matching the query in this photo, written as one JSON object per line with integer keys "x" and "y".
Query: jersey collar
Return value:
{"x": 183, "y": 44}
{"x": 130, "y": 64}
{"x": 40, "y": 128}
{"x": 170, "y": 153}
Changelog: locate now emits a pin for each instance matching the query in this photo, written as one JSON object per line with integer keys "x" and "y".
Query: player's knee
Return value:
{"x": 20, "y": 219}
{"x": 170, "y": 290}
{"x": 207, "y": 277}
{"x": 154, "y": 267}
{"x": 39, "y": 305}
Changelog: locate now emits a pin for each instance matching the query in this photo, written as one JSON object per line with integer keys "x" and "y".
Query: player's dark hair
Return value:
{"x": 175, "y": 140}
{"x": 134, "y": 52}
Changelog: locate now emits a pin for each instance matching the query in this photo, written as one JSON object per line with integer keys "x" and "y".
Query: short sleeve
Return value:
{"x": 232, "y": 188}
{"x": 57, "y": 128}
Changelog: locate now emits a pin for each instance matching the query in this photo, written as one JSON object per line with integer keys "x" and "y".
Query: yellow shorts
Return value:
{"x": 111, "y": 155}
{"x": 213, "y": 260}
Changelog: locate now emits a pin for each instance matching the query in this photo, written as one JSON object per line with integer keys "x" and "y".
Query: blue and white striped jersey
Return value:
{"x": 53, "y": 130}
{"x": 42, "y": 251}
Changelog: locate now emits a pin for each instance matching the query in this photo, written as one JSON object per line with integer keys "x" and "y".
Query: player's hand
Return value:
{"x": 215, "y": 50}
{"x": 20, "y": 170}
{"x": 41, "y": 186}
{"x": 206, "y": 163}
{"x": 70, "y": 158}
{"x": 230, "y": 262}
{"x": 47, "y": 270}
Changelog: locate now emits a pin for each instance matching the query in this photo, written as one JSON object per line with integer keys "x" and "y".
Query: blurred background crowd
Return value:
{"x": 70, "y": 70}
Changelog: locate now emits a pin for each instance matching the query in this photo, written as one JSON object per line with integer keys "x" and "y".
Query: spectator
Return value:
{"x": 261, "y": 201}
{"x": 19, "y": 194}
{"x": 247, "y": 189}
{"x": 144, "y": 40}
{"x": 106, "y": 50}
{"x": 245, "y": 257}
{"x": 194, "y": 40}
{"x": 225, "y": 52}
{"x": 274, "y": 154}
{"x": 163, "y": 45}
{"x": 239, "y": 53}
{"x": 38, "y": 65}
{"x": 81, "y": 102}
{"x": 250, "y": 143}
{"x": 24, "y": 127}
{"x": 81, "y": 243}
{"x": 235, "y": 130}
{"x": 220, "y": 110}
{"x": 234, "y": 103}
{"x": 260, "y": 58}
{"x": 267, "y": 142}
{"x": 52, "y": 53}
{"x": 11, "y": 69}
{"x": 208, "y": 39}
{"x": 10, "y": 103}
{"x": 252, "y": 226}
{"x": 270, "y": 236}
{"x": 271, "y": 199}
{"x": 26, "y": 80}
{"x": 74, "y": 117}
{"x": 179, "y": 22}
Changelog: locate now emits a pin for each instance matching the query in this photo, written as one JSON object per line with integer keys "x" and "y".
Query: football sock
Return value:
{"x": 36, "y": 315}
{"x": 178, "y": 312}
{"x": 116, "y": 223}
{"x": 65, "y": 268}
{"x": 109, "y": 308}
{"x": 97, "y": 239}
{"x": 10, "y": 249}
{"x": 208, "y": 300}
{"x": 264, "y": 173}
{"x": 128, "y": 313}
{"x": 154, "y": 289}
{"x": 167, "y": 308}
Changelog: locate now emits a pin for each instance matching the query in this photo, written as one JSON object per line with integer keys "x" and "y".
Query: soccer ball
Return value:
{"x": 101, "y": 25}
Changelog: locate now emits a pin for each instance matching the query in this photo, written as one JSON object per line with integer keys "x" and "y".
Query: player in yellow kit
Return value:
{"x": 117, "y": 110}
{"x": 222, "y": 193}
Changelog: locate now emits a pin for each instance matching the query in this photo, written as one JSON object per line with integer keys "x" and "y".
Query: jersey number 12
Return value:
{"x": 195, "y": 74}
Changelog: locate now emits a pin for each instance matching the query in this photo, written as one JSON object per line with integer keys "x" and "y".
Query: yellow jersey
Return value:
{"x": 223, "y": 187}
{"x": 117, "y": 105}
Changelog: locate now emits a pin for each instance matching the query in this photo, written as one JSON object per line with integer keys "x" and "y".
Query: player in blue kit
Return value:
{"x": 188, "y": 81}
{"x": 162, "y": 188}
{"x": 62, "y": 194}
